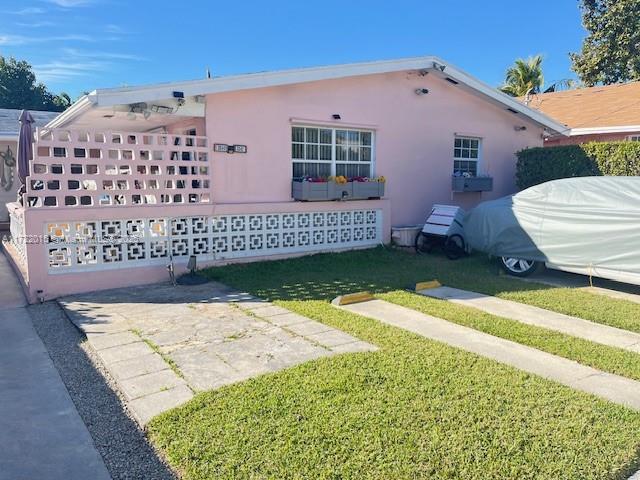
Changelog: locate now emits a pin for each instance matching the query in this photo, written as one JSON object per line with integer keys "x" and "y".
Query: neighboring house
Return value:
{"x": 129, "y": 179}
{"x": 602, "y": 114}
{"x": 9, "y": 129}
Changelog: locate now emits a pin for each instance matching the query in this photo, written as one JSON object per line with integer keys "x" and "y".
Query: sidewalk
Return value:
{"x": 41, "y": 433}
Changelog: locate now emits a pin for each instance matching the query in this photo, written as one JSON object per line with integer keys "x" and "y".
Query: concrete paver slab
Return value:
{"x": 611, "y": 387}
{"x": 141, "y": 365}
{"x": 214, "y": 335}
{"x": 310, "y": 327}
{"x": 124, "y": 352}
{"x": 147, "y": 407}
{"x": 540, "y": 317}
{"x": 135, "y": 387}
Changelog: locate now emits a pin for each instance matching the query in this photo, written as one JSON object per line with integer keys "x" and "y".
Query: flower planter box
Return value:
{"x": 340, "y": 191}
{"x": 365, "y": 190}
{"x": 471, "y": 184}
{"x": 324, "y": 191}
{"x": 310, "y": 191}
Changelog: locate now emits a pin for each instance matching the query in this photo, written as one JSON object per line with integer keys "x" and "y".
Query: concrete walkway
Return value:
{"x": 41, "y": 432}
{"x": 162, "y": 343}
{"x": 601, "y": 286}
{"x": 617, "y": 389}
{"x": 576, "y": 327}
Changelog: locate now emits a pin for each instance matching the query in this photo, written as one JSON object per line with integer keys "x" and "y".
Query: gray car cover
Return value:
{"x": 581, "y": 222}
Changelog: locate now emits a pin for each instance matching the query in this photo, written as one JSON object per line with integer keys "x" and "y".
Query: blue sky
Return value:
{"x": 78, "y": 45}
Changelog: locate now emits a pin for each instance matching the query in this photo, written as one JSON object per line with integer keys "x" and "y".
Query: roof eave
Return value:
{"x": 150, "y": 93}
{"x": 599, "y": 130}
{"x": 78, "y": 108}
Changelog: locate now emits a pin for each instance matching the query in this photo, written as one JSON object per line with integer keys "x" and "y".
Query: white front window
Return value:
{"x": 634, "y": 138}
{"x": 325, "y": 151}
{"x": 466, "y": 155}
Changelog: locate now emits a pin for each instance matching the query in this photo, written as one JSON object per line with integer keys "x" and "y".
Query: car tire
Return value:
{"x": 423, "y": 243}
{"x": 518, "y": 267}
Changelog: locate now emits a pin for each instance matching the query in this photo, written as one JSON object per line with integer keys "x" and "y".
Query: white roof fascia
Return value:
{"x": 78, "y": 108}
{"x": 158, "y": 92}
{"x": 595, "y": 130}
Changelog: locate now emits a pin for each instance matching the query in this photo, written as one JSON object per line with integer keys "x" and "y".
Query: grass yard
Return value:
{"x": 415, "y": 408}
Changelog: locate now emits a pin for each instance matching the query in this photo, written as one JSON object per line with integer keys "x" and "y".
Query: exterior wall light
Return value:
{"x": 421, "y": 91}
{"x": 336, "y": 116}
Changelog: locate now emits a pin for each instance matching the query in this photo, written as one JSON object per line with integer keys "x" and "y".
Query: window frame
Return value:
{"x": 334, "y": 162}
{"x": 478, "y": 159}
{"x": 634, "y": 138}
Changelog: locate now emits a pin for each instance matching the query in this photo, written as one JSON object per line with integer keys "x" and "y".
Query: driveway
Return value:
{"x": 163, "y": 343}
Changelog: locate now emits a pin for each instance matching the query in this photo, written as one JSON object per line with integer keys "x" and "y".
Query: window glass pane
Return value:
{"x": 365, "y": 154}
{"x": 341, "y": 153}
{"x": 466, "y": 143}
{"x": 354, "y": 137}
{"x": 457, "y": 153}
{"x": 341, "y": 137}
{"x": 312, "y": 152}
{"x": 474, "y": 153}
{"x": 365, "y": 138}
{"x": 311, "y": 135}
{"x": 457, "y": 143}
{"x": 474, "y": 143}
{"x": 465, "y": 153}
{"x": 297, "y": 151}
{"x": 297, "y": 134}
{"x": 325, "y": 136}
{"x": 311, "y": 169}
{"x": 354, "y": 154}
{"x": 325, "y": 152}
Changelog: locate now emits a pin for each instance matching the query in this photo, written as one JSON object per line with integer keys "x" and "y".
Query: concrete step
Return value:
{"x": 614, "y": 388}
{"x": 539, "y": 317}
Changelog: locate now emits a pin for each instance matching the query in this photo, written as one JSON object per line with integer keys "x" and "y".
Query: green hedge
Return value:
{"x": 539, "y": 165}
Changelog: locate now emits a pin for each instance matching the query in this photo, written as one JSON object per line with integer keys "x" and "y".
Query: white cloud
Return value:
{"x": 101, "y": 55}
{"x": 8, "y": 39}
{"x": 60, "y": 70}
{"x": 71, "y": 3}
{"x": 111, "y": 28}
{"x": 28, "y": 11}
{"x": 35, "y": 24}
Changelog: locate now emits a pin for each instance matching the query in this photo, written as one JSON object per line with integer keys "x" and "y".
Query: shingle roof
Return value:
{"x": 9, "y": 125}
{"x": 605, "y": 106}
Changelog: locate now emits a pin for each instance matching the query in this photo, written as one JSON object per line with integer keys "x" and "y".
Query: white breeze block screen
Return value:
{"x": 81, "y": 246}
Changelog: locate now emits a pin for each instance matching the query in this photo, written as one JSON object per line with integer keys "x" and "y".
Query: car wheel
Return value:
{"x": 454, "y": 247}
{"x": 423, "y": 243}
{"x": 518, "y": 267}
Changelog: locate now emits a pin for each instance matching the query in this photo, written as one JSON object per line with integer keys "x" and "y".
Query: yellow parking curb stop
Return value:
{"x": 352, "y": 298}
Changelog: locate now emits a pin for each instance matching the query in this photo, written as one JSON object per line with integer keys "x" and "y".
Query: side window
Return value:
{"x": 466, "y": 155}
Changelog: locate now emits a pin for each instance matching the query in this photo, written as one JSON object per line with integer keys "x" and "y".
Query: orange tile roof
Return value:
{"x": 606, "y": 106}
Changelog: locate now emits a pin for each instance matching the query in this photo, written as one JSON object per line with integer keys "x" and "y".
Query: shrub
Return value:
{"x": 539, "y": 165}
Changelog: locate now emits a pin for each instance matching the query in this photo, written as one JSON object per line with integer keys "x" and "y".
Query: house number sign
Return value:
{"x": 224, "y": 148}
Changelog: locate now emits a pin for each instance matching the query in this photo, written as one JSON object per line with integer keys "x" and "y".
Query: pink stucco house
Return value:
{"x": 130, "y": 179}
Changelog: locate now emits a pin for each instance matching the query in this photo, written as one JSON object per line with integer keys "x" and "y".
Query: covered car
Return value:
{"x": 588, "y": 225}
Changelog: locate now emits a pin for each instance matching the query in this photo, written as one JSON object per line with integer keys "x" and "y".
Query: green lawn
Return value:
{"x": 415, "y": 408}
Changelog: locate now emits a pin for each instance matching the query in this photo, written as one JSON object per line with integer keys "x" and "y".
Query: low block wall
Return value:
{"x": 71, "y": 250}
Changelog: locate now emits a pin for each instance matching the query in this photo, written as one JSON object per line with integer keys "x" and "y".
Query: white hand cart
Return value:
{"x": 444, "y": 228}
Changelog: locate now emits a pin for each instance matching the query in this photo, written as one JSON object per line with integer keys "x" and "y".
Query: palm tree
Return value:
{"x": 524, "y": 77}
